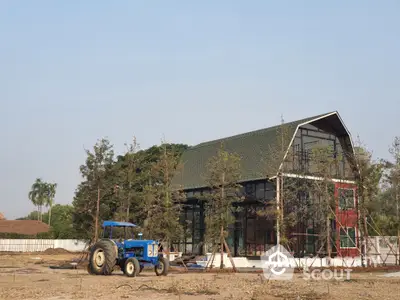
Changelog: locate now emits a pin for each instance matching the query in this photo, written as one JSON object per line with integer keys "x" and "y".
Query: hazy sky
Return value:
{"x": 72, "y": 72}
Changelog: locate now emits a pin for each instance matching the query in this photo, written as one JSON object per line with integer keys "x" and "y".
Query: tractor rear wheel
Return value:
{"x": 132, "y": 267}
{"x": 102, "y": 257}
{"x": 162, "y": 267}
{"x": 89, "y": 269}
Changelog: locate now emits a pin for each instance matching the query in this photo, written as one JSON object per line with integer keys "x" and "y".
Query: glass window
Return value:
{"x": 347, "y": 238}
{"x": 250, "y": 189}
{"x": 260, "y": 191}
{"x": 346, "y": 199}
{"x": 197, "y": 194}
{"x": 310, "y": 240}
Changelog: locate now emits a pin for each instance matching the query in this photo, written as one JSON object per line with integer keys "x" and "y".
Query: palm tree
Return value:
{"x": 50, "y": 194}
{"x": 33, "y": 197}
{"x": 37, "y": 195}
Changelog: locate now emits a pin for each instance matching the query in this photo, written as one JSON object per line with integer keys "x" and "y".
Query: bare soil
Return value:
{"x": 28, "y": 276}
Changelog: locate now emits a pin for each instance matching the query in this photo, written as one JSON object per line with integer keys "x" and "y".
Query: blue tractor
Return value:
{"x": 128, "y": 253}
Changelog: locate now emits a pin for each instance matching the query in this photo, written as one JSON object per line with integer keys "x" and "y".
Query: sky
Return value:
{"x": 72, "y": 72}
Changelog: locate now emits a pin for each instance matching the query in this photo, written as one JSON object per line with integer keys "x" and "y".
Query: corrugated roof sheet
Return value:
{"x": 253, "y": 148}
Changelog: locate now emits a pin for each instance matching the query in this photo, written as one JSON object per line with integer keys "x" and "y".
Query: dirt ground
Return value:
{"x": 28, "y": 276}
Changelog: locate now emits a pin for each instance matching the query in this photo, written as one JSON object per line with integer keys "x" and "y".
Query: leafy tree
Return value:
{"x": 125, "y": 185}
{"x": 134, "y": 173}
{"x": 370, "y": 174}
{"x": 97, "y": 184}
{"x": 62, "y": 227}
{"x": 325, "y": 163}
{"x": 37, "y": 195}
{"x": 384, "y": 211}
{"x": 223, "y": 175}
{"x": 162, "y": 199}
{"x": 50, "y": 193}
{"x": 129, "y": 188}
{"x": 393, "y": 176}
{"x": 42, "y": 194}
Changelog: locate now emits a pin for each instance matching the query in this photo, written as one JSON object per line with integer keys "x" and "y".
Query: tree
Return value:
{"x": 385, "y": 212}
{"x": 280, "y": 161}
{"x": 50, "y": 191}
{"x": 368, "y": 180}
{"x": 393, "y": 175}
{"x": 95, "y": 171}
{"x": 37, "y": 195}
{"x": 325, "y": 165}
{"x": 223, "y": 175}
{"x": 162, "y": 198}
{"x": 62, "y": 227}
{"x": 133, "y": 168}
{"x": 128, "y": 173}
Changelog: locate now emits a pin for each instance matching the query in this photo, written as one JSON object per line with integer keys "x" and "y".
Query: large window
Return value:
{"x": 346, "y": 199}
{"x": 348, "y": 238}
{"x": 192, "y": 219}
{"x": 260, "y": 191}
{"x": 309, "y": 137}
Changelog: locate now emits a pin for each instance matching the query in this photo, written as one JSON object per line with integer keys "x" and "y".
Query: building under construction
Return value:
{"x": 273, "y": 161}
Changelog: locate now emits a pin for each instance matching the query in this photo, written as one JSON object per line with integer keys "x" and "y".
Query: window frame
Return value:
{"x": 347, "y": 237}
{"x": 339, "y": 199}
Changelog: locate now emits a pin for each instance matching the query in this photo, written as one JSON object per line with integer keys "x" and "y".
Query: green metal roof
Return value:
{"x": 253, "y": 148}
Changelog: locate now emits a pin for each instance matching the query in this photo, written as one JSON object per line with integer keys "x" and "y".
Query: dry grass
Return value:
{"x": 21, "y": 278}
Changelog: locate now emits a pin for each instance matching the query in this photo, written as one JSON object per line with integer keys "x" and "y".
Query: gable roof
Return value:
{"x": 252, "y": 147}
{"x": 26, "y": 227}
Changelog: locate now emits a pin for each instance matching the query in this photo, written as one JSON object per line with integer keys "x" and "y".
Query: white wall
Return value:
{"x": 31, "y": 245}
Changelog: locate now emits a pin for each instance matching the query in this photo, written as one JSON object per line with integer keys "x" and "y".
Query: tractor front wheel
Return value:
{"x": 102, "y": 258}
{"x": 131, "y": 267}
{"x": 162, "y": 267}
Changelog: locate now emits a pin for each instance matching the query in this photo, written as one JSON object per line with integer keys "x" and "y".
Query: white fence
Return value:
{"x": 384, "y": 249}
{"x": 32, "y": 245}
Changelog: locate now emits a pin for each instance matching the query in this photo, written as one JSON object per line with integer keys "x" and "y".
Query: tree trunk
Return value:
{"x": 50, "y": 215}
{"x": 127, "y": 213}
{"x": 328, "y": 225}
{"x": 221, "y": 266}
{"x": 211, "y": 260}
{"x": 96, "y": 233}
{"x": 328, "y": 237}
{"x": 230, "y": 255}
{"x": 128, "y": 204}
{"x": 398, "y": 245}
{"x": 129, "y": 201}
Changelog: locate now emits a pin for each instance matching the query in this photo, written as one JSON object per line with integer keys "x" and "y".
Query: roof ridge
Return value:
{"x": 240, "y": 135}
